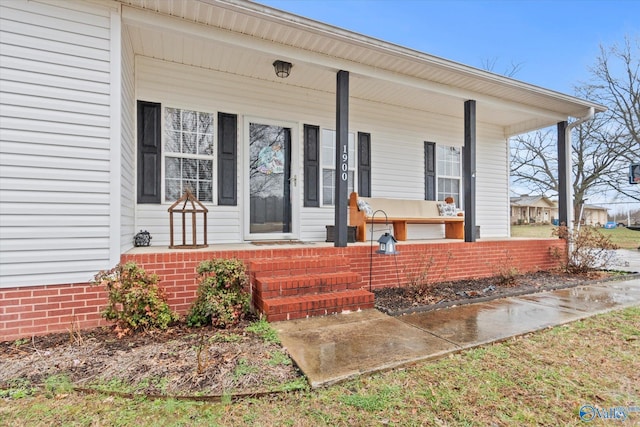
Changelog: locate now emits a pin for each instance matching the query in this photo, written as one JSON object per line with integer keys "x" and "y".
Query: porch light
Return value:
{"x": 283, "y": 69}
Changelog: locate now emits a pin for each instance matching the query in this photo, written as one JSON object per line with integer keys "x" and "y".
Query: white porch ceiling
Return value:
{"x": 244, "y": 38}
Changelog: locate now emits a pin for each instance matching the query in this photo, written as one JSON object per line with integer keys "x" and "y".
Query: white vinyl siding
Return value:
{"x": 128, "y": 152}
{"x": 55, "y": 142}
{"x": 397, "y": 150}
{"x": 492, "y": 184}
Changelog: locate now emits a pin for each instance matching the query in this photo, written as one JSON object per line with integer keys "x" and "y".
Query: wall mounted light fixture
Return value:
{"x": 283, "y": 69}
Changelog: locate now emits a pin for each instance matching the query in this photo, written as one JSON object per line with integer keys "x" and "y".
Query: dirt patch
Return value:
{"x": 179, "y": 361}
{"x": 444, "y": 294}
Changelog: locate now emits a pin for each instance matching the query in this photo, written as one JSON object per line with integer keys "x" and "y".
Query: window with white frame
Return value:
{"x": 188, "y": 154}
{"x": 328, "y": 162}
{"x": 449, "y": 172}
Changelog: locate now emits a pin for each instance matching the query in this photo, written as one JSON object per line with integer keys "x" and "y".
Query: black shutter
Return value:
{"x": 364, "y": 164}
{"x": 311, "y": 166}
{"x": 149, "y": 152}
{"x": 227, "y": 159}
{"x": 430, "y": 170}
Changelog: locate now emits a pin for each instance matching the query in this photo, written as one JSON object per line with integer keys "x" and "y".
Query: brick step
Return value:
{"x": 297, "y": 266}
{"x": 274, "y": 287}
{"x": 299, "y": 307}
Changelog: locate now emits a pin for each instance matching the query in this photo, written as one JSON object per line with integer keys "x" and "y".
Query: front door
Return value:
{"x": 270, "y": 182}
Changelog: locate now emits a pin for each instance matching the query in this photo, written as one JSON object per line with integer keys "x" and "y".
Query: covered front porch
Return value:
{"x": 302, "y": 279}
{"x": 279, "y": 152}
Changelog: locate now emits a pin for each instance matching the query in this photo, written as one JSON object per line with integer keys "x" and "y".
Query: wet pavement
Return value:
{"x": 335, "y": 348}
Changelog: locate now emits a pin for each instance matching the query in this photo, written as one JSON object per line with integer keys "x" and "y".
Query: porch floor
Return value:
{"x": 334, "y": 348}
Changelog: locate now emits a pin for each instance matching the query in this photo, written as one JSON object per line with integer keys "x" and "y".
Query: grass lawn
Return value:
{"x": 621, "y": 236}
{"x": 542, "y": 378}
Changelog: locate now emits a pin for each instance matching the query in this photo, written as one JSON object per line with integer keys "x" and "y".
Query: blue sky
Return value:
{"x": 554, "y": 41}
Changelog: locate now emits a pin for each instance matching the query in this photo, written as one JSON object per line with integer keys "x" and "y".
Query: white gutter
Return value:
{"x": 568, "y": 166}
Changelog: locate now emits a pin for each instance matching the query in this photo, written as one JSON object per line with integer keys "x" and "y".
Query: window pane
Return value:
{"x": 189, "y": 169}
{"x": 328, "y": 186}
{"x": 189, "y": 143}
{"x": 172, "y": 119}
{"x": 205, "y": 144}
{"x": 172, "y": 167}
{"x": 328, "y": 148}
{"x": 205, "y": 123}
{"x": 172, "y": 142}
{"x": 191, "y": 185}
{"x": 205, "y": 169}
{"x": 189, "y": 121}
{"x": 173, "y": 190}
{"x": 205, "y": 193}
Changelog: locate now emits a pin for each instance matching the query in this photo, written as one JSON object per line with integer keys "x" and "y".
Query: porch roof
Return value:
{"x": 244, "y": 38}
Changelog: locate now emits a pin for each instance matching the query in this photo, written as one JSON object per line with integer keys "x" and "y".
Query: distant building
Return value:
{"x": 527, "y": 209}
{"x": 592, "y": 215}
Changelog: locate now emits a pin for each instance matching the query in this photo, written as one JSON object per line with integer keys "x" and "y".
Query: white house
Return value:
{"x": 111, "y": 109}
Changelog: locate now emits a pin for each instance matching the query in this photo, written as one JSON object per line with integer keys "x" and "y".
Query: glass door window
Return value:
{"x": 269, "y": 179}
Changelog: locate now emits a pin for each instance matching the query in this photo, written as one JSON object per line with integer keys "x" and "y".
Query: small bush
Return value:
{"x": 504, "y": 272}
{"x": 135, "y": 300}
{"x": 222, "y": 299}
{"x": 588, "y": 250}
{"x": 420, "y": 274}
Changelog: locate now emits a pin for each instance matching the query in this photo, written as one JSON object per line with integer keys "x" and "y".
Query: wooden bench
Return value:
{"x": 401, "y": 212}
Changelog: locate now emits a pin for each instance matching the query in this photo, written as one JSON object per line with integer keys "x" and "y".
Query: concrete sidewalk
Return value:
{"x": 334, "y": 348}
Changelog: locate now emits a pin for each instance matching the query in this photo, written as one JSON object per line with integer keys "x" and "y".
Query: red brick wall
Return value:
{"x": 452, "y": 261}
{"x": 37, "y": 310}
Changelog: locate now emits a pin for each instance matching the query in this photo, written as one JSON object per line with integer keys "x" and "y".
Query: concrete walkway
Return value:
{"x": 334, "y": 348}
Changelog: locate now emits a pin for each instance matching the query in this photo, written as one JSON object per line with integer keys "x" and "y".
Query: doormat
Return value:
{"x": 280, "y": 242}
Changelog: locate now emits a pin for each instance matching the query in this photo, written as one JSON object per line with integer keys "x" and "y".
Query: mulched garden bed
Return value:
{"x": 408, "y": 299}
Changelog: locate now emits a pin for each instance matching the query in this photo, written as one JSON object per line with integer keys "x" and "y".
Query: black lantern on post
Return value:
{"x": 386, "y": 244}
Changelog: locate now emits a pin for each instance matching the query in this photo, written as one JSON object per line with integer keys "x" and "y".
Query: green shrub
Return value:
{"x": 222, "y": 298}
{"x": 135, "y": 300}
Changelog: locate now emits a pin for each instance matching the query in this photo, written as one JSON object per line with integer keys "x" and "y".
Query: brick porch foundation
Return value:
{"x": 38, "y": 310}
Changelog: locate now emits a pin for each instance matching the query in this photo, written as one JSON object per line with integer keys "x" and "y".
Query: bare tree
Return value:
{"x": 534, "y": 162}
{"x": 602, "y": 148}
{"x": 490, "y": 64}
{"x": 616, "y": 83}
{"x": 595, "y": 152}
